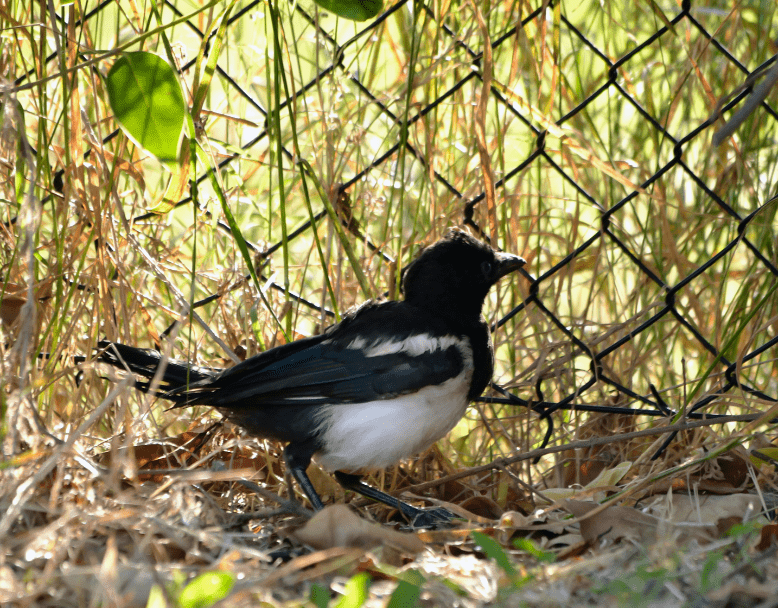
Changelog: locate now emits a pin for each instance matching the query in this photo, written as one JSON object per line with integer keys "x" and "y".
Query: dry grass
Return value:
{"x": 82, "y": 260}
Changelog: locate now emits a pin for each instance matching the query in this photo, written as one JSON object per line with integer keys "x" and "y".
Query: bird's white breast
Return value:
{"x": 377, "y": 434}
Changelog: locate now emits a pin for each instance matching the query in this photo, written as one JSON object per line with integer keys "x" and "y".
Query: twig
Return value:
{"x": 502, "y": 462}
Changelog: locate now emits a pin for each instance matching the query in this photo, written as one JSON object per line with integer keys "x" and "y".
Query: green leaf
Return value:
{"x": 320, "y": 596}
{"x": 355, "y": 592}
{"x": 494, "y": 551}
{"x": 548, "y": 557}
{"x": 147, "y": 102}
{"x": 206, "y": 589}
{"x": 156, "y": 598}
{"x": 356, "y": 10}
{"x": 408, "y": 591}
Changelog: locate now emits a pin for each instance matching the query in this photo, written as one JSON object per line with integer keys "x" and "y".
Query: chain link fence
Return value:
{"x": 575, "y": 134}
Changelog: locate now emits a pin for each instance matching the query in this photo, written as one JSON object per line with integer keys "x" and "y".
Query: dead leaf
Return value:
{"x": 13, "y": 296}
{"x": 483, "y": 506}
{"x": 583, "y": 471}
{"x": 725, "y": 524}
{"x": 445, "y": 536}
{"x": 315, "y": 565}
{"x": 706, "y": 509}
{"x": 613, "y": 523}
{"x": 597, "y": 488}
{"x": 727, "y": 474}
{"x": 10, "y": 307}
{"x": 768, "y": 536}
{"x": 182, "y": 450}
{"x": 339, "y": 526}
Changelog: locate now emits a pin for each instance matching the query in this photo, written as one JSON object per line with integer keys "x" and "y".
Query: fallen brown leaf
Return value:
{"x": 613, "y": 523}
{"x": 339, "y": 526}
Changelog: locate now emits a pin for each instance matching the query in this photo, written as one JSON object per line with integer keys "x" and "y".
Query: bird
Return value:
{"x": 383, "y": 384}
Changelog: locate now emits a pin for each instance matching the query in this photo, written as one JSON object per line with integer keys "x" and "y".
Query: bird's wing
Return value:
{"x": 320, "y": 374}
{"x": 348, "y": 365}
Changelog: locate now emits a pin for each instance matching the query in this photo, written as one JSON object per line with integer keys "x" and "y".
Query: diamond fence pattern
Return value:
{"x": 589, "y": 222}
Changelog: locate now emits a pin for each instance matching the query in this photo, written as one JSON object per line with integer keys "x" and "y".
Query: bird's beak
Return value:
{"x": 506, "y": 264}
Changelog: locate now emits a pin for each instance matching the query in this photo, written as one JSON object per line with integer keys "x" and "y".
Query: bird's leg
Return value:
{"x": 419, "y": 518}
{"x": 302, "y": 478}
{"x": 298, "y": 457}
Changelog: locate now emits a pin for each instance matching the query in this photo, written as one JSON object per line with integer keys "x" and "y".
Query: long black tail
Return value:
{"x": 144, "y": 363}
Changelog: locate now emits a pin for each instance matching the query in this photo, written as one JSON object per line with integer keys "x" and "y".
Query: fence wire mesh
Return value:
{"x": 566, "y": 132}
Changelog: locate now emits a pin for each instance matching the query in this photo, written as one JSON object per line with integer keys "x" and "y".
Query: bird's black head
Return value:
{"x": 453, "y": 276}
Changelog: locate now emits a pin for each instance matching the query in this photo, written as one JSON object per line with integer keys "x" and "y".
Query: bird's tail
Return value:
{"x": 145, "y": 362}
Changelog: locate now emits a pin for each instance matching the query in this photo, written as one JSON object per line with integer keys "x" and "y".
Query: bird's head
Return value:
{"x": 454, "y": 275}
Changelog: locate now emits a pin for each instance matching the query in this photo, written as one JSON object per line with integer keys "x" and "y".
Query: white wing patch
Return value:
{"x": 377, "y": 434}
{"x": 414, "y": 346}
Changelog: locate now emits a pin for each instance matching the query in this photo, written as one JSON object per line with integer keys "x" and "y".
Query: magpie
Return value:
{"x": 383, "y": 384}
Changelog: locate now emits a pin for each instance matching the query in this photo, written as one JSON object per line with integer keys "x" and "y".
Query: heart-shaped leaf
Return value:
{"x": 146, "y": 100}
{"x": 356, "y": 10}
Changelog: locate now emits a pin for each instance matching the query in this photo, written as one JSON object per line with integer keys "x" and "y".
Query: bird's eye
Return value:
{"x": 486, "y": 269}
